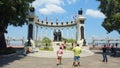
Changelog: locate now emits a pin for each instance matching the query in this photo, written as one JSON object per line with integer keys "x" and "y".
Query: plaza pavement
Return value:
{"x": 93, "y": 61}
{"x": 52, "y": 54}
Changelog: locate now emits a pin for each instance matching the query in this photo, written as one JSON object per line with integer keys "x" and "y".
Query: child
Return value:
{"x": 63, "y": 46}
{"x": 59, "y": 55}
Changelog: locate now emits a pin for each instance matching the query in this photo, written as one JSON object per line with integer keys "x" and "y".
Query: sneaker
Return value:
{"x": 79, "y": 65}
{"x": 103, "y": 61}
{"x": 75, "y": 65}
{"x": 57, "y": 64}
{"x": 60, "y": 63}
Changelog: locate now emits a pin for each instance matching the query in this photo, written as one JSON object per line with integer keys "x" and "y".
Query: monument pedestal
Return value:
{"x": 57, "y": 42}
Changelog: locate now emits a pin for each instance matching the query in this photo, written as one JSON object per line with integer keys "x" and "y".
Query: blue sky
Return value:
{"x": 64, "y": 11}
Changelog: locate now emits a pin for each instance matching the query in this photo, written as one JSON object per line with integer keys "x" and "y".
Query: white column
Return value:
{"x": 67, "y": 32}
{"x": 72, "y": 32}
{"x": 46, "y": 31}
{"x": 36, "y": 32}
{"x": 51, "y": 34}
{"x": 78, "y": 31}
{"x": 62, "y": 33}
{"x": 41, "y": 33}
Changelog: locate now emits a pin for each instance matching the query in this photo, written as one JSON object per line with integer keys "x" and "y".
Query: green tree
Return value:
{"x": 12, "y": 12}
{"x": 71, "y": 40}
{"x": 64, "y": 39}
{"x": 111, "y": 9}
{"x": 46, "y": 40}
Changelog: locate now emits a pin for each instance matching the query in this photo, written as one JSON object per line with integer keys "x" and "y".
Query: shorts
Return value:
{"x": 76, "y": 58}
{"x": 59, "y": 57}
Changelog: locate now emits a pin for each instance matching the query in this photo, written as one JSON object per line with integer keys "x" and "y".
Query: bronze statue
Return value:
{"x": 57, "y": 35}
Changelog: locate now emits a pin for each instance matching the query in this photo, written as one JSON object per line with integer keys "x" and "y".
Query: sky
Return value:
{"x": 64, "y": 10}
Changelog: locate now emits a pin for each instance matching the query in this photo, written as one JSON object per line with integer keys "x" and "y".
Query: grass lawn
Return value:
{"x": 69, "y": 48}
{"x": 46, "y": 48}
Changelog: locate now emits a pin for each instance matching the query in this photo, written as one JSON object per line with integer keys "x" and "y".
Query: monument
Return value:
{"x": 57, "y": 35}
{"x": 77, "y": 23}
{"x": 57, "y": 32}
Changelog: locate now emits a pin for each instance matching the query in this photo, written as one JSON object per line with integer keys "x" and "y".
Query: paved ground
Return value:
{"x": 52, "y": 54}
{"x": 94, "y": 61}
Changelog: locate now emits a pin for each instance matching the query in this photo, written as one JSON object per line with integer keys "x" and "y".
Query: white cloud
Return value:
{"x": 51, "y": 8}
{"x": 95, "y": 13}
{"x": 71, "y": 1}
{"x": 38, "y": 3}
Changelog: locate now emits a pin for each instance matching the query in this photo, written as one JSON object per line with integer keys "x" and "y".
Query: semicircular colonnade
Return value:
{"x": 77, "y": 24}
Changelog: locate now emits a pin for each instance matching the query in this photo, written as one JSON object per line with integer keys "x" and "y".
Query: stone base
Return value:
{"x": 66, "y": 54}
{"x": 80, "y": 42}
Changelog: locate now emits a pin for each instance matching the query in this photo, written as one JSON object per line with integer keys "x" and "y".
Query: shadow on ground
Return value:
{"x": 6, "y": 60}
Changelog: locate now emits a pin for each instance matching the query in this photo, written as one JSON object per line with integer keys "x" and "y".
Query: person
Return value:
{"x": 55, "y": 35}
{"x": 59, "y": 55}
{"x": 26, "y": 47}
{"x": 104, "y": 49}
{"x": 72, "y": 46}
{"x": 63, "y": 46}
{"x": 113, "y": 51}
{"x": 116, "y": 45}
{"x": 77, "y": 51}
{"x": 59, "y": 35}
{"x": 75, "y": 44}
